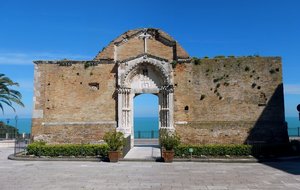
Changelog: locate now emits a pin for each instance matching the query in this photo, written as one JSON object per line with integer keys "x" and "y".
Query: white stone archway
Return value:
{"x": 144, "y": 74}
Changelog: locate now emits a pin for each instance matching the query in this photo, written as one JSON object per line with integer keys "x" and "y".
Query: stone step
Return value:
{"x": 138, "y": 142}
{"x": 143, "y": 153}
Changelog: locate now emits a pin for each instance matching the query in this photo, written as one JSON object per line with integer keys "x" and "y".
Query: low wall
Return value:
{"x": 7, "y": 143}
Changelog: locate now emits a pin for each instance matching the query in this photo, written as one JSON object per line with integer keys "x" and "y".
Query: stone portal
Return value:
{"x": 220, "y": 100}
{"x": 144, "y": 75}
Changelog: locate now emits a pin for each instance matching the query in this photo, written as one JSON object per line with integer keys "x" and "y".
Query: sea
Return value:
{"x": 293, "y": 126}
{"x": 143, "y": 124}
{"x": 23, "y": 124}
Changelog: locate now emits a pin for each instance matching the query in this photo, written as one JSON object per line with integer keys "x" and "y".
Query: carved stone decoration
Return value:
{"x": 123, "y": 90}
{"x": 144, "y": 75}
{"x": 160, "y": 66}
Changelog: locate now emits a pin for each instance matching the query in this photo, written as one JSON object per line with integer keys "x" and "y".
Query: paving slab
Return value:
{"x": 36, "y": 175}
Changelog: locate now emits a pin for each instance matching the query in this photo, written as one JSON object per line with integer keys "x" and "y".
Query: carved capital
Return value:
{"x": 167, "y": 88}
{"x": 123, "y": 90}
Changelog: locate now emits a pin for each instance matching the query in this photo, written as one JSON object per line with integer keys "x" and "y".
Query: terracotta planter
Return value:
{"x": 168, "y": 155}
{"x": 113, "y": 156}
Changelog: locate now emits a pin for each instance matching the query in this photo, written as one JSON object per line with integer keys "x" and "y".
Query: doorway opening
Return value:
{"x": 146, "y": 119}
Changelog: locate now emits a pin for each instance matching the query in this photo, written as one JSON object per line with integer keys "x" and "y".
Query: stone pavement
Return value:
{"x": 36, "y": 175}
{"x": 144, "y": 152}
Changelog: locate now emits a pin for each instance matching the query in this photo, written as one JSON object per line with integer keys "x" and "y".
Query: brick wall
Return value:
{"x": 230, "y": 100}
{"x": 70, "y": 94}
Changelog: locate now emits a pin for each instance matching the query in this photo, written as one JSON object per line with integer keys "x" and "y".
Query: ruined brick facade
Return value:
{"x": 207, "y": 101}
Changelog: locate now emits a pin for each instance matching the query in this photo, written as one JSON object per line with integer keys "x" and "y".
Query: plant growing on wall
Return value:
{"x": 219, "y": 56}
{"x": 86, "y": 65}
{"x": 89, "y": 64}
{"x": 196, "y": 61}
{"x": 174, "y": 63}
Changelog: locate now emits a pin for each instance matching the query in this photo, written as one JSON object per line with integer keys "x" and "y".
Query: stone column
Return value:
{"x": 124, "y": 111}
{"x": 166, "y": 107}
{"x": 171, "y": 107}
{"x": 131, "y": 97}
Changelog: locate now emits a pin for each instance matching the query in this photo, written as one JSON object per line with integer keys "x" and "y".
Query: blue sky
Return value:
{"x": 78, "y": 29}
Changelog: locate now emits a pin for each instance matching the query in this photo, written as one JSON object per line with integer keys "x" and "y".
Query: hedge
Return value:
{"x": 256, "y": 150}
{"x": 213, "y": 150}
{"x": 41, "y": 149}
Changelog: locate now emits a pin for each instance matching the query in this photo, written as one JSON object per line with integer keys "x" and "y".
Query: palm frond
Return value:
{"x": 1, "y": 107}
{"x": 9, "y": 96}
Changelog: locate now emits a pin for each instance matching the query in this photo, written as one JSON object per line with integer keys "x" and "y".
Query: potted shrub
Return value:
{"x": 168, "y": 141}
{"x": 115, "y": 141}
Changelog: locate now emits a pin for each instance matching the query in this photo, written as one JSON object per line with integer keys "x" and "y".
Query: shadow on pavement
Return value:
{"x": 292, "y": 166}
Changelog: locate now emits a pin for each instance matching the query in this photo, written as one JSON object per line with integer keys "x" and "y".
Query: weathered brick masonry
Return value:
{"x": 230, "y": 100}
{"x": 219, "y": 100}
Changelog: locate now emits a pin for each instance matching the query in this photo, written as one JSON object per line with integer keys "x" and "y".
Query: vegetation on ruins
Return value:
{"x": 8, "y": 96}
{"x": 196, "y": 61}
{"x": 219, "y": 57}
{"x": 174, "y": 63}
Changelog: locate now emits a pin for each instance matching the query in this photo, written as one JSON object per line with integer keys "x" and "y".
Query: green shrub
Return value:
{"x": 257, "y": 150}
{"x": 213, "y": 150}
{"x": 114, "y": 140}
{"x": 41, "y": 149}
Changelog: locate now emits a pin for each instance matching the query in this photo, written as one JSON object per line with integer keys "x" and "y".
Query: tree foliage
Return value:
{"x": 8, "y": 95}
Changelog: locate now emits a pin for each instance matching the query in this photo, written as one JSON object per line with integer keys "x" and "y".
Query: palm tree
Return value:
{"x": 9, "y": 96}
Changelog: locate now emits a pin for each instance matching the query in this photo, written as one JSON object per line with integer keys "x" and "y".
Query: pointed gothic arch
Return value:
{"x": 144, "y": 75}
